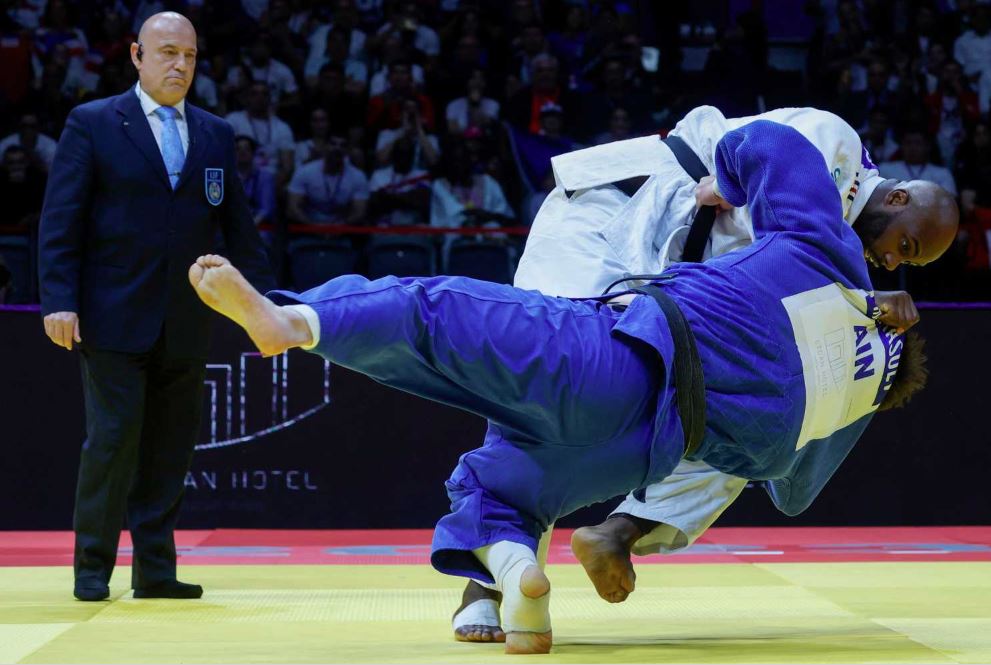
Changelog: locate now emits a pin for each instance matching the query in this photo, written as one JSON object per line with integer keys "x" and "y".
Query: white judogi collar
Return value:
{"x": 867, "y": 186}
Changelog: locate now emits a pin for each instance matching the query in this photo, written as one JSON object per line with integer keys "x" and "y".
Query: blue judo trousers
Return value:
{"x": 579, "y": 397}
{"x": 571, "y": 405}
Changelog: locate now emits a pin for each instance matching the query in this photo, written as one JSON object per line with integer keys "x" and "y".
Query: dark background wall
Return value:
{"x": 377, "y": 458}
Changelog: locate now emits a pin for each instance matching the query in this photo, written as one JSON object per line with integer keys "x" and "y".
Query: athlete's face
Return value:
{"x": 904, "y": 231}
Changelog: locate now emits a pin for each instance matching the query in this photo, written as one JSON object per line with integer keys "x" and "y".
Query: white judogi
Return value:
{"x": 588, "y": 234}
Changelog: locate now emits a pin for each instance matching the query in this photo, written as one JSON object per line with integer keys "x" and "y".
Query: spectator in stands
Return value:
{"x": 426, "y": 148}
{"x": 115, "y": 78}
{"x": 40, "y": 148}
{"x": 474, "y": 109}
{"x": 973, "y": 167}
{"x": 58, "y": 29}
{"x": 950, "y": 108}
{"x": 400, "y": 193}
{"x": 260, "y": 66}
{"x": 931, "y": 68}
{"x": 338, "y": 51}
{"x": 205, "y": 92}
{"x": 394, "y": 49}
{"x": 530, "y": 44}
{"x": 273, "y": 136}
{"x": 25, "y": 15}
{"x": 857, "y": 106}
{"x": 523, "y": 110}
{"x": 287, "y": 46}
{"x": 620, "y": 127}
{"x": 521, "y": 13}
{"x": 329, "y": 191}
{"x": 405, "y": 19}
{"x": 345, "y": 109}
{"x": 568, "y": 44}
{"x": 22, "y": 188}
{"x": 16, "y": 49}
{"x": 468, "y": 56}
{"x": 917, "y": 164}
{"x": 552, "y": 127}
{"x": 923, "y": 33}
{"x": 460, "y": 62}
{"x": 972, "y": 49}
{"x": 984, "y": 93}
{"x": 615, "y": 91}
{"x": 466, "y": 20}
{"x": 385, "y": 111}
{"x": 879, "y": 139}
{"x": 112, "y": 41}
{"x": 847, "y": 51}
{"x": 50, "y": 99}
{"x": 345, "y": 16}
{"x": 736, "y": 66}
{"x": 462, "y": 198}
{"x": 314, "y": 147}
{"x": 370, "y": 13}
{"x": 259, "y": 184}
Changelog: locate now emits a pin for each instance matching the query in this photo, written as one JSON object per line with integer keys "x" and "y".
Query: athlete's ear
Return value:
{"x": 898, "y": 197}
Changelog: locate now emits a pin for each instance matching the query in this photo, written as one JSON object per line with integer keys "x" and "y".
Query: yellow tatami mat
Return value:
{"x": 685, "y": 613}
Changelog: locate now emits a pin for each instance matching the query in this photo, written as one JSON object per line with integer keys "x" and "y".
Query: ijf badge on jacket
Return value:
{"x": 214, "y": 183}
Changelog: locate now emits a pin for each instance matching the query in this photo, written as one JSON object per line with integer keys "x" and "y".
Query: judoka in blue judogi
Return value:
{"x": 589, "y": 400}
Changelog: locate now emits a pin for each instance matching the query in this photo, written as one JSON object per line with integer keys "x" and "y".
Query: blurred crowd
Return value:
{"x": 445, "y": 113}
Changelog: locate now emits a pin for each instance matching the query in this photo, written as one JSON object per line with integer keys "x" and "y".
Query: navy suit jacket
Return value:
{"x": 116, "y": 242}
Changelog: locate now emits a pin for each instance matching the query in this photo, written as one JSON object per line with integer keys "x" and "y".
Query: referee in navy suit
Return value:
{"x": 140, "y": 185}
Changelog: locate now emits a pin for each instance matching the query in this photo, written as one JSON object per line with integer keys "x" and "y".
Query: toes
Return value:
{"x": 195, "y": 273}
{"x": 478, "y": 633}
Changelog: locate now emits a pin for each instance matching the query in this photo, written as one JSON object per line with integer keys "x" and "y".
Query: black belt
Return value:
{"x": 689, "y": 381}
{"x": 705, "y": 217}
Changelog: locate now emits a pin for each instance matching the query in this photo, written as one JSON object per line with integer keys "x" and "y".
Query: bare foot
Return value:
{"x": 605, "y": 555}
{"x": 533, "y": 585}
{"x": 479, "y": 632}
{"x": 223, "y": 288}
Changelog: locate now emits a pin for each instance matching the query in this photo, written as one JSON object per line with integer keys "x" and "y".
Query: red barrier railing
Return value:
{"x": 345, "y": 229}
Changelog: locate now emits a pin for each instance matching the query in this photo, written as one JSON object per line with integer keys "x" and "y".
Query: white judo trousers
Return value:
{"x": 589, "y": 234}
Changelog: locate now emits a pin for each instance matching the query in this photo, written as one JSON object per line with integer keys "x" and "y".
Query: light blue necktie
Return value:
{"x": 171, "y": 143}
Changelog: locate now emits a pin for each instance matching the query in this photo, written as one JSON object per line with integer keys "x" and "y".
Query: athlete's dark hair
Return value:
{"x": 911, "y": 375}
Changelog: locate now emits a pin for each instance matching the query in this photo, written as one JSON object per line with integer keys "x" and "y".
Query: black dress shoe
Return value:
{"x": 90, "y": 591}
{"x": 170, "y": 589}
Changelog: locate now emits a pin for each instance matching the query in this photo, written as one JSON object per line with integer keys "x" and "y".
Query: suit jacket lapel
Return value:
{"x": 136, "y": 126}
{"x": 198, "y": 142}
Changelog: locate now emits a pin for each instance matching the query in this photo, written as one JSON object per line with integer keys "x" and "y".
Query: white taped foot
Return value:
{"x": 525, "y": 589}
{"x": 483, "y": 612}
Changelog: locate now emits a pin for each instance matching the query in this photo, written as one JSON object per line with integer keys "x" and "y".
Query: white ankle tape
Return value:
{"x": 507, "y": 561}
{"x": 482, "y": 612}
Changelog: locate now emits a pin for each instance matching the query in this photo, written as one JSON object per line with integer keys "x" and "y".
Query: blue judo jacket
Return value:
{"x": 795, "y": 361}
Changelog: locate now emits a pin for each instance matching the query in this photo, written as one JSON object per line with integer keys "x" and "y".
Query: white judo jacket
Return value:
{"x": 609, "y": 233}
{"x": 588, "y": 234}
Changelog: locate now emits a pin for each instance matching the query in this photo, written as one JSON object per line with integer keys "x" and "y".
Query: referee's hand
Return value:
{"x": 63, "y": 328}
